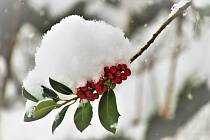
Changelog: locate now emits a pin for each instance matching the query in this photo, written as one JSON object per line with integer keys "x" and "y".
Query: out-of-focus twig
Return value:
{"x": 10, "y": 26}
{"x": 167, "y": 112}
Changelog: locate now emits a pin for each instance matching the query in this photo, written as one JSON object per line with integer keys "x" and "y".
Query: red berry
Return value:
{"x": 109, "y": 75}
{"x": 100, "y": 92}
{"x": 96, "y": 96}
{"x": 98, "y": 87}
{"x": 91, "y": 99}
{"x": 119, "y": 66}
{"x": 92, "y": 85}
{"x": 84, "y": 89}
{"x": 124, "y": 66}
{"x": 113, "y": 80}
{"x": 88, "y": 94}
{"x": 105, "y": 88}
{"x": 89, "y": 83}
{"x": 113, "y": 69}
{"x": 123, "y": 77}
{"x": 100, "y": 82}
{"x": 80, "y": 94}
{"x": 118, "y": 80}
{"x": 127, "y": 72}
{"x": 118, "y": 73}
{"x": 106, "y": 69}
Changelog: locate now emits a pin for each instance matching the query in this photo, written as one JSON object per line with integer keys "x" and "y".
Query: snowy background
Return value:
{"x": 167, "y": 96}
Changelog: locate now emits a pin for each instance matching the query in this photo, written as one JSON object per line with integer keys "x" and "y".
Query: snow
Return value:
{"x": 75, "y": 51}
{"x": 30, "y": 107}
{"x": 177, "y": 6}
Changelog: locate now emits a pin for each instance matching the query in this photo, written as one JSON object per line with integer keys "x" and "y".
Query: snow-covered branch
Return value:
{"x": 179, "y": 9}
{"x": 66, "y": 66}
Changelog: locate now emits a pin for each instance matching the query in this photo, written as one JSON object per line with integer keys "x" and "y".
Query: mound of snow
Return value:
{"x": 76, "y": 50}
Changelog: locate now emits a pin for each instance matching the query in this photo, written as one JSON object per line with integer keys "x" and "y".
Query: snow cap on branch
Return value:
{"x": 76, "y": 50}
{"x": 177, "y": 6}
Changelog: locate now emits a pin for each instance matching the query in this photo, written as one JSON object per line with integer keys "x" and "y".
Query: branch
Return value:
{"x": 162, "y": 27}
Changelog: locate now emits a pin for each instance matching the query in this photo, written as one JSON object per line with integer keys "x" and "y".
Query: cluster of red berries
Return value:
{"x": 117, "y": 73}
{"x": 91, "y": 90}
{"x": 114, "y": 74}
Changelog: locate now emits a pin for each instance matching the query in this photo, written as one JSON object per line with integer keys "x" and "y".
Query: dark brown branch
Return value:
{"x": 162, "y": 27}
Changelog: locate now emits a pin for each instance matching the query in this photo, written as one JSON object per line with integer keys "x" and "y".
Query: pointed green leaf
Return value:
{"x": 28, "y": 96}
{"x": 43, "y": 108}
{"x": 83, "y": 115}
{"x": 59, "y": 118}
{"x": 107, "y": 111}
{"x": 59, "y": 87}
{"x": 50, "y": 93}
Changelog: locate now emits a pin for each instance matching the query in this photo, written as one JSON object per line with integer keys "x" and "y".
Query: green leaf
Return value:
{"x": 59, "y": 87}
{"x": 112, "y": 86}
{"x": 107, "y": 111}
{"x": 43, "y": 108}
{"x": 50, "y": 93}
{"x": 59, "y": 118}
{"x": 82, "y": 116}
{"x": 28, "y": 96}
{"x": 107, "y": 82}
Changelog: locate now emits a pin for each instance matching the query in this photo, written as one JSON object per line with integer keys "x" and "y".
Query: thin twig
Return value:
{"x": 162, "y": 27}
